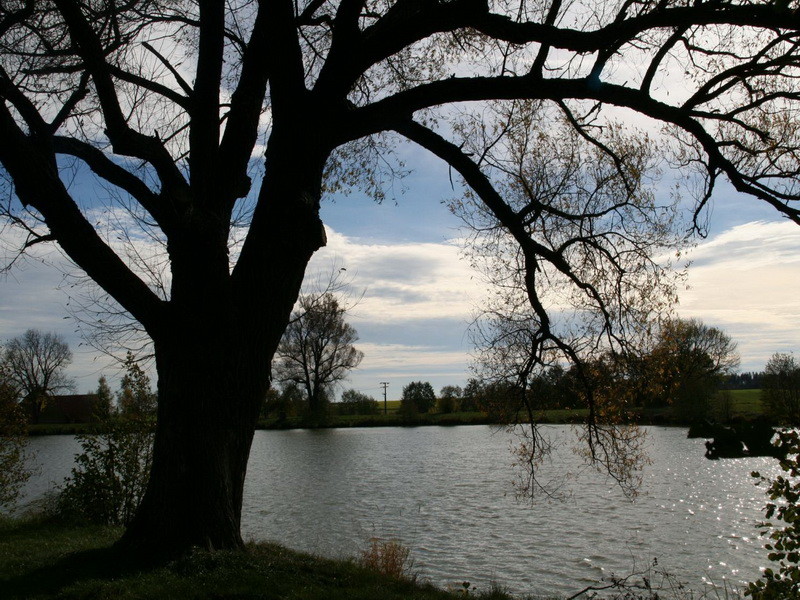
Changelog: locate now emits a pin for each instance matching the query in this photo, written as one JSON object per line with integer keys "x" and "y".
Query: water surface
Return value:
{"x": 447, "y": 494}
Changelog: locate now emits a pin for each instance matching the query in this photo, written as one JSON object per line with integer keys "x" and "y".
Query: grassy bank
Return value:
{"x": 745, "y": 405}
{"x": 41, "y": 559}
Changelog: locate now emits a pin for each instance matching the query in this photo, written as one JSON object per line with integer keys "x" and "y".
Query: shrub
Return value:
{"x": 110, "y": 475}
{"x": 388, "y": 557}
{"x": 112, "y": 470}
{"x": 13, "y": 470}
{"x": 783, "y": 581}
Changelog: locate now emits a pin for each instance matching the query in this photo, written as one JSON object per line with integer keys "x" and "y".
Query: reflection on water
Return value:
{"x": 447, "y": 494}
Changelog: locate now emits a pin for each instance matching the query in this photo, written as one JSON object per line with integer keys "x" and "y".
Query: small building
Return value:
{"x": 72, "y": 408}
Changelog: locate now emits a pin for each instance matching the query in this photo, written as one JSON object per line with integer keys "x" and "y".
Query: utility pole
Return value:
{"x": 384, "y": 385}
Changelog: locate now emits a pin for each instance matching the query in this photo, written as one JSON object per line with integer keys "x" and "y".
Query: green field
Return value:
{"x": 746, "y": 403}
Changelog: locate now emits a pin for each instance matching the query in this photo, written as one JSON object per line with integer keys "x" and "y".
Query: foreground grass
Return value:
{"x": 46, "y": 559}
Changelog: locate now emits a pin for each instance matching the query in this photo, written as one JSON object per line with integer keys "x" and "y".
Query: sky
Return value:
{"x": 415, "y": 295}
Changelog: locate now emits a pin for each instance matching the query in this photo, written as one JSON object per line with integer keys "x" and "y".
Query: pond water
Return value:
{"x": 447, "y": 494}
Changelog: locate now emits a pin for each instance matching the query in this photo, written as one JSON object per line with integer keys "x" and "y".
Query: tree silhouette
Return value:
{"x": 167, "y": 103}
{"x": 317, "y": 350}
{"x": 688, "y": 364}
{"x": 36, "y": 362}
{"x": 418, "y": 396}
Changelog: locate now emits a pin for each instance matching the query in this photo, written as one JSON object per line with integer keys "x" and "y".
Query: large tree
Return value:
{"x": 37, "y": 365}
{"x": 166, "y": 102}
{"x": 687, "y": 366}
{"x": 317, "y": 350}
{"x": 418, "y": 397}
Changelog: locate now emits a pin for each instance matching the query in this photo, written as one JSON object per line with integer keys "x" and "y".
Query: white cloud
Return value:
{"x": 747, "y": 281}
{"x": 394, "y": 358}
{"x": 404, "y": 280}
{"x": 419, "y": 298}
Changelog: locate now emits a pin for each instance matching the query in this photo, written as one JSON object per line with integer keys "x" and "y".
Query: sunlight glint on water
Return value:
{"x": 446, "y": 493}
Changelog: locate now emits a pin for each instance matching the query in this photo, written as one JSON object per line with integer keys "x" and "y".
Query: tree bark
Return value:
{"x": 208, "y": 406}
{"x": 213, "y": 359}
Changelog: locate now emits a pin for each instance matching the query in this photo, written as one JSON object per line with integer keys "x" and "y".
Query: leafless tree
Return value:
{"x": 167, "y": 102}
{"x": 36, "y": 365}
{"x": 316, "y": 351}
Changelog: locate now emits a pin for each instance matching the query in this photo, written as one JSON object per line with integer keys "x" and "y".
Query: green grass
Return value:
{"x": 746, "y": 403}
{"x": 45, "y": 559}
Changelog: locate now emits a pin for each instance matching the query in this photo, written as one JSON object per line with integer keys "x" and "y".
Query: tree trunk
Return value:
{"x": 213, "y": 359}
{"x": 208, "y": 407}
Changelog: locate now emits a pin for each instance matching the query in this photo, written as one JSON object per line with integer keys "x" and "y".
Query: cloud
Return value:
{"x": 403, "y": 281}
{"x": 420, "y": 297}
{"x": 747, "y": 281}
{"x": 35, "y": 294}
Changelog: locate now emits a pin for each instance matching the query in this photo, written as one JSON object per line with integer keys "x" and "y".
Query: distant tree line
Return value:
{"x": 747, "y": 380}
{"x": 683, "y": 369}
{"x": 688, "y": 369}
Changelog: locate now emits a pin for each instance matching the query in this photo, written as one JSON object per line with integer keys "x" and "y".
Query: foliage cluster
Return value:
{"x": 13, "y": 427}
{"x": 746, "y": 380}
{"x": 110, "y": 475}
{"x": 112, "y": 469}
{"x": 354, "y": 402}
{"x": 284, "y": 403}
{"x": 449, "y": 400}
{"x": 780, "y": 394}
{"x": 418, "y": 397}
{"x": 783, "y": 581}
{"x": 683, "y": 370}
{"x": 687, "y": 365}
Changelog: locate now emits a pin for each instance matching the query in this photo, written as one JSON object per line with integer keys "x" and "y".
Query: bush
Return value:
{"x": 112, "y": 470}
{"x": 111, "y": 473}
{"x": 13, "y": 470}
{"x": 784, "y": 547}
{"x": 390, "y": 558}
